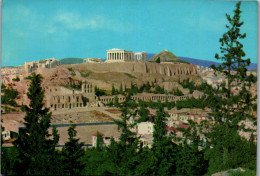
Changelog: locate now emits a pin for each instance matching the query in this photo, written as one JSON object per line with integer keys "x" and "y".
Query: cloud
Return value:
{"x": 28, "y": 22}
{"x": 75, "y": 21}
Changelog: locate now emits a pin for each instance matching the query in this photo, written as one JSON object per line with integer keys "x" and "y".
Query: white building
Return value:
{"x": 121, "y": 55}
{"x": 144, "y": 128}
{"x": 92, "y": 60}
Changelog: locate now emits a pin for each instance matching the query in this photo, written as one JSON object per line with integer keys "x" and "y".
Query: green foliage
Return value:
{"x": 99, "y": 92}
{"x": 178, "y": 92}
{"x": 23, "y": 107}
{"x": 128, "y": 109}
{"x": 155, "y": 105}
{"x": 72, "y": 154}
{"x": 158, "y": 89}
{"x": 16, "y": 79}
{"x": 3, "y": 86}
{"x": 70, "y": 69}
{"x": 190, "y": 159}
{"x": 113, "y": 91}
{"x": 147, "y": 87}
{"x": 143, "y": 113}
{"x": 121, "y": 89}
{"x": 133, "y": 89}
{"x": 85, "y": 74}
{"x": 164, "y": 150}
{"x": 8, "y": 159}
{"x": 194, "y": 103}
{"x": 130, "y": 76}
{"x": 158, "y": 60}
{"x": 203, "y": 87}
{"x": 72, "y": 72}
{"x": 230, "y": 150}
{"x": 35, "y": 150}
{"x": 116, "y": 103}
{"x": 110, "y": 103}
{"x": 73, "y": 85}
{"x": 9, "y": 95}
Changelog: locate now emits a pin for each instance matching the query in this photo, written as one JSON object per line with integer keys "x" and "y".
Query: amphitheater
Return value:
{"x": 60, "y": 98}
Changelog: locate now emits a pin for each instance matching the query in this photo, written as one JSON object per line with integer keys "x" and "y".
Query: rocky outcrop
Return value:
{"x": 165, "y": 56}
{"x": 168, "y": 69}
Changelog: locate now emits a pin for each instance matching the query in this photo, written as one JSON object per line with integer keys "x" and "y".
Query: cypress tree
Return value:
{"x": 113, "y": 89}
{"x": 128, "y": 144}
{"x": 72, "y": 154}
{"x": 121, "y": 89}
{"x": 33, "y": 144}
{"x": 163, "y": 149}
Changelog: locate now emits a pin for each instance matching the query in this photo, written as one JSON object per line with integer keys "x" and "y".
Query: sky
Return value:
{"x": 42, "y": 29}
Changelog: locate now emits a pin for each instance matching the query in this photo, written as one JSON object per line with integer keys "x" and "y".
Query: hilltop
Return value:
{"x": 165, "y": 56}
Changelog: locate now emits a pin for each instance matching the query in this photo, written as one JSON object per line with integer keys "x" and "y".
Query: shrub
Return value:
{"x": 130, "y": 76}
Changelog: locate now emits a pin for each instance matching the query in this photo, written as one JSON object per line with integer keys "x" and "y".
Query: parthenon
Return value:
{"x": 121, "y": 55}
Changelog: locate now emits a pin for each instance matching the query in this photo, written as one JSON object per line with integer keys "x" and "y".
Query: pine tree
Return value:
{"x": 33, "y": 144}
{"x": 230, "y": 108}
{"x": 143, "y": 113}
{"x": 163, "y": 148}
{"x": 128, "y": 144}
{"x": 72, "y": 154}
{"x": 190, "y": 157}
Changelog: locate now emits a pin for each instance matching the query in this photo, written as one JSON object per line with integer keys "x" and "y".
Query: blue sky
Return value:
{"x": 41, "y": 29}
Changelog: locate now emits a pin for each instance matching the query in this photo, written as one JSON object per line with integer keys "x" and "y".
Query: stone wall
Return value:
{"x": 145, "y": 97}
{"x": 168, "y": 69}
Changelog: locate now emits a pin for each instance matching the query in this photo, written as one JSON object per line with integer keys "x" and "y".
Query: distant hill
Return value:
{"x": 165, "y": 56}
{"x": 71, "y": 60}
{"x": 204, "y": 63}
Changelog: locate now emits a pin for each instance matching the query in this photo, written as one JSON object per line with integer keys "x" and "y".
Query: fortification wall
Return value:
{"x": 169, "y": 69}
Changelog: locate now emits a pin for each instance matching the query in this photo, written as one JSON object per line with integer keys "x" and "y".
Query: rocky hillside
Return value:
{"x": 165, "y": 56}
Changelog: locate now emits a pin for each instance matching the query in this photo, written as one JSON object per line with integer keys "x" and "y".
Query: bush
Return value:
{"x": 178, "y": 92}
{"x": 129, "y": 75}
{"x": 70, "y": 69}
{"x": 99, "y": 92}
{"x": 85, "y": 74}
{"x": 16, "y": 79}
{"x": 158, "y": 60}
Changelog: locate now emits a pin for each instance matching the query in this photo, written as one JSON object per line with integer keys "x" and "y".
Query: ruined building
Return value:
{"x": 30, "y": 67}
{"x": 59, "y": 97}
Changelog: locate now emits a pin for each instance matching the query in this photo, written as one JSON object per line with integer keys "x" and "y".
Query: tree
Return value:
{"x": 147, "y": 87}
{"x": 163, "y": 148}
{"x": 33, "y": 144}
{"x": 116, "y": 102}
{"x": 190, "y": 157}
{"x": 158, "y": 60}
{"x": 230, "y": 108}
{"x": 113, "y": 89}
{"x": 128, "y": 144}
{"x": 121, "y": 89}
{"x": 143, "y": 113}
{"x": 72, "y": 154}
